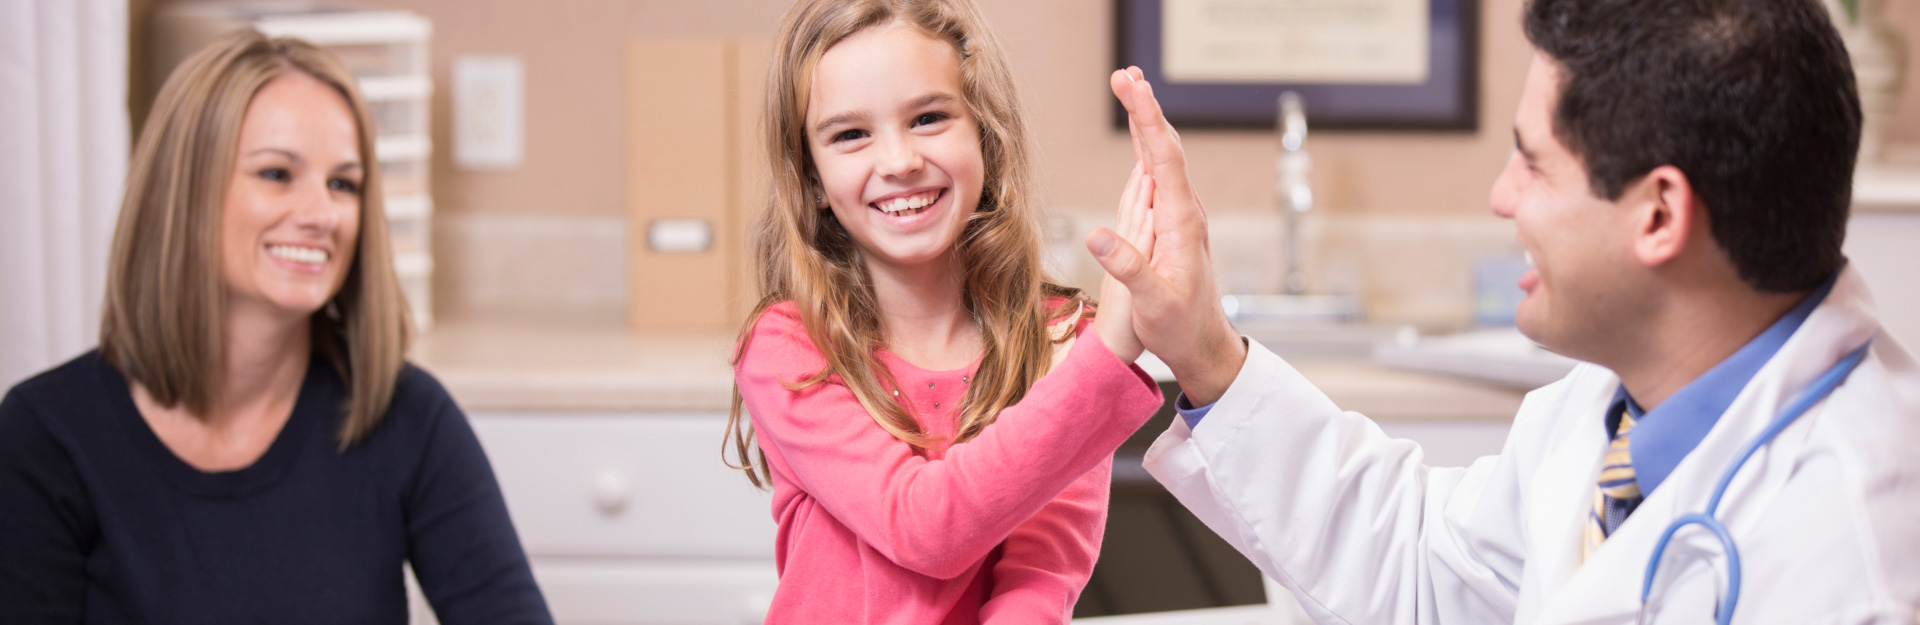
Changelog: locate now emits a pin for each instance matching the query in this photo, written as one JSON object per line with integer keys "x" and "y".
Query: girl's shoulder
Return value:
{"x": 1067, "y": 317}
{"x": 778, "y": 320}
{"x": 778, "y": 341}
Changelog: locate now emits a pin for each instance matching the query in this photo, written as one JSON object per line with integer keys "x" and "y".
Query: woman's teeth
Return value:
{"x": 308, "y": 255}
{"x": 910, "y": 205}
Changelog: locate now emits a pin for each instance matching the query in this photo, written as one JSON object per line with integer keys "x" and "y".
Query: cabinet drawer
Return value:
{"x": 603, "y": 485}
{"x": 657, "y": 592}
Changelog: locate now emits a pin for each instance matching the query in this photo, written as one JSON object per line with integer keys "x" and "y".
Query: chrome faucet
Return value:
{"x": 1296, "y": 195}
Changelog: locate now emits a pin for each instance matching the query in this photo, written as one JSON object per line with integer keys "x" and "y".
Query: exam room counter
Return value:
{"x": 499, "y": 366}
{"x": 607, "y": 444}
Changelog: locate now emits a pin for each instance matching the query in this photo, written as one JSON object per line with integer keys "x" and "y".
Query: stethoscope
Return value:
{"x": 1819, "y": 390}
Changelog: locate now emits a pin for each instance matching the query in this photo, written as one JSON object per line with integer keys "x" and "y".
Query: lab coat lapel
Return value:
{"x": 1607, "y": 588}
{"x": 1557, "y": 514}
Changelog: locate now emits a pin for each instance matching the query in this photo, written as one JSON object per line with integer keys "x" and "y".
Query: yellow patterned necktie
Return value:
{"x": 1616, "y": 482}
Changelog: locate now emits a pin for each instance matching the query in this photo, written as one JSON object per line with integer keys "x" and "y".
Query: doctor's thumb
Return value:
{"x": 1117, "y": 257}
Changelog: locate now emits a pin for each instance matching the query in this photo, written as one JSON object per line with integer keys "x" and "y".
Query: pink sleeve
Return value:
{"x": 1049, "y": 558}
{"x": 937, "y": 517}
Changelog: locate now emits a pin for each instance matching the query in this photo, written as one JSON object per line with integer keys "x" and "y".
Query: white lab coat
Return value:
{"x": 1826, "y": 518}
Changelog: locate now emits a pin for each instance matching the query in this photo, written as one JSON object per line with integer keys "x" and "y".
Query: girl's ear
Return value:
{"x": 815, "y": 191}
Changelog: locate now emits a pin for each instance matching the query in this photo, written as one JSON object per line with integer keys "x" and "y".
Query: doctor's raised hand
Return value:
{"x": 1175, "y": 304}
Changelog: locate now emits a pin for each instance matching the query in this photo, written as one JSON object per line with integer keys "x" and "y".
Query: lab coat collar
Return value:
{"x": 1606, "y": 588}
{"x": 1662, "y": 437}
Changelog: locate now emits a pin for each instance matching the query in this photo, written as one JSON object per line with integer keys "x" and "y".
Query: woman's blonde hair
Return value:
{"x": 163, "y": 310}
{"x": 808, "y": 258}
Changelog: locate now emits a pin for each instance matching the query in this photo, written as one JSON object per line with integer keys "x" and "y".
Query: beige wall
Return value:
{"x": 1061, "y": 52}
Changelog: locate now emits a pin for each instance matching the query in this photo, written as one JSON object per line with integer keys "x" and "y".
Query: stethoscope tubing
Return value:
{"x": 1805, "y": 401}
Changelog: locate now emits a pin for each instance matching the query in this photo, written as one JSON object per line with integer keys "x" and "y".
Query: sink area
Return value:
{"x": 1499, "y": 355}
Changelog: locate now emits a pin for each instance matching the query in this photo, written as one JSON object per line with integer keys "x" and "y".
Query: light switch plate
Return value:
{"x": 489, "y": 111}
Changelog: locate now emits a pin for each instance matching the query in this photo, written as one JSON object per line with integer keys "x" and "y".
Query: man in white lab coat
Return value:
{"x": 1681, "y": 179}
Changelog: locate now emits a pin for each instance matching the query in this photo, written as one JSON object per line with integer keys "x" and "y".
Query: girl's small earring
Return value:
{"x": 820, "y": 202}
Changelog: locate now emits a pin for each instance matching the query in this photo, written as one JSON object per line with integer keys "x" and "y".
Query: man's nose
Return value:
{"x": 1506, "y": 189}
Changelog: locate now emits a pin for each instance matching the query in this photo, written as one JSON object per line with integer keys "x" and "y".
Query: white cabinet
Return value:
{"x": 632, "y": 519}
{"x": 1883, "y": 242}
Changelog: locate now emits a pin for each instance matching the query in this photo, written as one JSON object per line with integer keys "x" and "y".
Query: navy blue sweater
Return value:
{"x": 101, "y": 523}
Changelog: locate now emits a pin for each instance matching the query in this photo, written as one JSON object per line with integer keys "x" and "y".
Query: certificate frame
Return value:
{"x": 1449, "y": 100}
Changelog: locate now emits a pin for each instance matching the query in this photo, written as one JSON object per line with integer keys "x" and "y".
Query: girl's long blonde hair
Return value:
{"x": 808, "y": 258}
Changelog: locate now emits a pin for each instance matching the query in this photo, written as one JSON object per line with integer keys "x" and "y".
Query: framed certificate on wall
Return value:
{"x": 1358, "y": 64}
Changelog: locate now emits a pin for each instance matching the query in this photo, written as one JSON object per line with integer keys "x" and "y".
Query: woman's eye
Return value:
{"x": 929, "y": 118}
{"x": 847, "y": 135}
{"x": 343, "y": 185}
{"x": 275, "y": 174}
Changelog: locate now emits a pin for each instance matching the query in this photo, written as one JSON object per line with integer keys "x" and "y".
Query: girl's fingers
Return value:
{"x": 1140, "y": 232}
{"x": 1129, "y": 195}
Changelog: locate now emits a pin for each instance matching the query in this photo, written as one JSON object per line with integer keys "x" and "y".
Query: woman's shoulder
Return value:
{"x": 78, "y": 384}
{"x": 414, "y": 388}
{"x": 67, "y": 407}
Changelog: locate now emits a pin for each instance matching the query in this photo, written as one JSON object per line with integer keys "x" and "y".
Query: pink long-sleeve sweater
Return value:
{"x": 1003, "y": 528}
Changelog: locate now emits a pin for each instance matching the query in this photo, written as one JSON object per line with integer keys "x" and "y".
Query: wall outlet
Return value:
{"x": 489, "y": 111}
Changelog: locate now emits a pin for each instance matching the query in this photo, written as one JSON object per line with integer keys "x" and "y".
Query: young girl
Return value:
{"x": 923, "y": 469}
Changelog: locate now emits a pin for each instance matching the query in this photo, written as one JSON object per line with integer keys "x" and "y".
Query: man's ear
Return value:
{"x": 1666, "y": 215}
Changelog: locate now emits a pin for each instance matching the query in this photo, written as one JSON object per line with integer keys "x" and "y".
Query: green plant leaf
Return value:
{"x": 1853, "y": 10}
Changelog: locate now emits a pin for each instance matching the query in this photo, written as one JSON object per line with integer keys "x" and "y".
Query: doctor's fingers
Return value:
{"x": 1176, "y": 204}
{"x": 1125, "y": 263}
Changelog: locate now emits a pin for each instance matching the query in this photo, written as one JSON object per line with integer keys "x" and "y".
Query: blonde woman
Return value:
{"x": 247, "y": 445}
{"x": 936, "y": 419}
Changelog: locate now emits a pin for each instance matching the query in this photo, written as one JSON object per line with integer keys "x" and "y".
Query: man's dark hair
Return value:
{"x": 1753, "y": 100}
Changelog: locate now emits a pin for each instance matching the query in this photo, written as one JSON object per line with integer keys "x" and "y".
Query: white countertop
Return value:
{"x": 1885, "y": 188}
{"x": 532, "y": 367}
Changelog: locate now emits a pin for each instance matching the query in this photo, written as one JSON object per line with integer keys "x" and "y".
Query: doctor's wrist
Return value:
{"x": 1205, "y": 378}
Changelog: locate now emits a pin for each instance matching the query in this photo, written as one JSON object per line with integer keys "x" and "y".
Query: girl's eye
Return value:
{"x": 929, "y": 118}
{"x": 343, "y": 185}
{"x": 275, "y": 174}
{"x": 847, "y": 135}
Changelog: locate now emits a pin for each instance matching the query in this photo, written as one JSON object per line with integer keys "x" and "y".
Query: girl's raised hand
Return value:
{"x": 1134, "y": 224}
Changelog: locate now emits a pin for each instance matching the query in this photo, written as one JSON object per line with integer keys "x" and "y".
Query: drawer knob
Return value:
{"x": 612, "y": 491}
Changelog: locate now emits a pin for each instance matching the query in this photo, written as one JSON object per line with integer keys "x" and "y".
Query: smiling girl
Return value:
{"x": 936, "y": 419}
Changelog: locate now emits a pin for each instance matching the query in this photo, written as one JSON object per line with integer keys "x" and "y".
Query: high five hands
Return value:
{"x": 1160, "y": 257}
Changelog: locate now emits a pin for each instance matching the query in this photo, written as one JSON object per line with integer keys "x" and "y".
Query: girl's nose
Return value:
{"x": 899, "y": 157}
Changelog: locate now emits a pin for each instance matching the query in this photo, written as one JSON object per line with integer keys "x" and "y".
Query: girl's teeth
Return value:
{"x": 904, "y": 204}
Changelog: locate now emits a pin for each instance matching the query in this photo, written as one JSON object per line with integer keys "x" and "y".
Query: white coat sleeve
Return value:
{"x": 1348, "y": 519}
